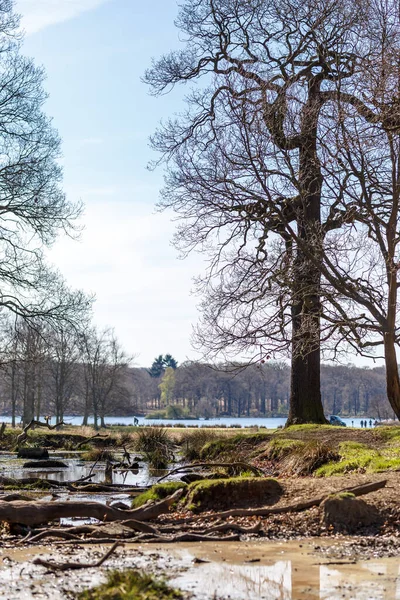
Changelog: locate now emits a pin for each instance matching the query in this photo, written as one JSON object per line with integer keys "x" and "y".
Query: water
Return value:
{"x": 239, "y": 422}
{"x": 264, "y": 570}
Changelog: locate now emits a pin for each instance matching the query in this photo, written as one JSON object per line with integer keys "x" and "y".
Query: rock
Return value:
{"x": 346, "y": 512}
{"x": 32, "y": 453}
{"x": 44, "y": 464}
{"x": 236, "y": 492}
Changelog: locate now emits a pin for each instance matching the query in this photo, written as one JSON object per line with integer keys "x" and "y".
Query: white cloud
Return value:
{"x": 38, "y": 14}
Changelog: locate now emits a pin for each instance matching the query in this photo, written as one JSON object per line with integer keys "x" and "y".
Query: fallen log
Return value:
{"x": 241, "y": 465}
{"x": 35, "y": 513}
{"x": 359, "y": 490}
{"x": 67, "y": 566}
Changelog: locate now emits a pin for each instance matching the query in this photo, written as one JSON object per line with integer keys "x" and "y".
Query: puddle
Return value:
{"x": 10, "y": 466}
{"x": 284, "y": 571}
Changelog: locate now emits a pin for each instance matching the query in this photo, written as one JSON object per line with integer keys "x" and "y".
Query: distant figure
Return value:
{"x": 352, "y": 423}
{"x": 362, "y": 423}
{"x": 135, "y": 421}
{"x": 370, "y": 422}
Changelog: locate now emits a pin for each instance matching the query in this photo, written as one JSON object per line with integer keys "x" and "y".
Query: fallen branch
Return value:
{"x": 34, "y": 423}
{"x": 35, "y": 513}
{"x": 241, "y": 465}
{"x": 359, "y": 490}
{"x": 66, "y": 566}
{"x": 89, "y": 439}
{"x": 186, "y": 537}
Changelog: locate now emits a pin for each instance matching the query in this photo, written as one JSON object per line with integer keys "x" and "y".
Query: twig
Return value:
{"x": 66, "y": 566}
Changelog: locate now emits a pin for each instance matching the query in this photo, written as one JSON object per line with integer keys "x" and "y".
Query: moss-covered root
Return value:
{"x": 236, "y": 492}
{"x": 158, "y": 492}
{"x": 131, "y": 585}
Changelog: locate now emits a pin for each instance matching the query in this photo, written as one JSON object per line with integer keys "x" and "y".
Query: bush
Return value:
{"x": 156, "y": 445}
{"x": 131, "y": 585}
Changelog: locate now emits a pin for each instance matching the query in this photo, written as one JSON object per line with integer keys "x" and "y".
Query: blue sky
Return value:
{"x": 94, "y": 53}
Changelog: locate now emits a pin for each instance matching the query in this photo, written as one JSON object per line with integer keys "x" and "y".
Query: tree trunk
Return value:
{"x": 392, "y": 374}
{"x": 305, "y": 398}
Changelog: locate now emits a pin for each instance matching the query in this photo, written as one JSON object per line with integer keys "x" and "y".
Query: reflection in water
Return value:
{"x": 296, "y": 576}
{"x": 10, "y": 466}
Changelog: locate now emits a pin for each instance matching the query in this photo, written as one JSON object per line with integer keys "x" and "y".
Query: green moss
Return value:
{"x": 342, "y": 496}
{"x": 306, "y": 427}
{"x": 236, "y": 444}
{"x": 280, "y": 447}
{"x": 359, "y": 457}
{"x": 232, "y": 492}
{"x": 131, "y": 585}
{"x": 158, "y": 492}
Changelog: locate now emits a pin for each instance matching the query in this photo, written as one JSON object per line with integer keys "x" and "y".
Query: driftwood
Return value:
{"x": 34, "y": 423}
{"x": 359, "y": 490}
{"x": 35, "y": 513}
{"x": 242, "y": 465}
{"x": 89, "y": 439}
{"x": 186, "y": 537}
{"x": 67, "y": 566}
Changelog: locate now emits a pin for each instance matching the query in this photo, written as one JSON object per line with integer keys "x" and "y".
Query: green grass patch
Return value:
{"x": 361, "y": 458}
{"x": 158, "y": 492}
{"x": 232, "y": 447}
{"x": 131, "y": 585}
{"x": 278, "y": 448}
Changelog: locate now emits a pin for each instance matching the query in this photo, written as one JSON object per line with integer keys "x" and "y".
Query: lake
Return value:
{"x": 240, "y": 422}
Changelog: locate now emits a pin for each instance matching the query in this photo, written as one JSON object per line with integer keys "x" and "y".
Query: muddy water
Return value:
{"x": 235, "y": 571}
{"x": 284, "y": 571}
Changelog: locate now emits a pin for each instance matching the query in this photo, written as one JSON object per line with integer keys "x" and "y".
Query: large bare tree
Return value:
{"x": 244, "y": 172}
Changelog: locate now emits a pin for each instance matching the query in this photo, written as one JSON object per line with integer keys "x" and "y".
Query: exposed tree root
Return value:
{"x": 67, "y": 566}
{"x": 359, "y": 490}
{"x": 35, "y": 513}
{"x": 241, "y": 465}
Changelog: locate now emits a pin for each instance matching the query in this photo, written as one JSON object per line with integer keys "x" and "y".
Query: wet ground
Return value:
{"x": 235, "y": 571}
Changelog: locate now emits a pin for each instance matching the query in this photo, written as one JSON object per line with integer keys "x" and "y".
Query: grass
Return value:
{"x": 158, "y": 492}
{"x": 233, "y": 448}
{"x": 193, "y": 442}
{"x": 156, "y": 444}
{"x": 356, "y": 457}
{"x": 131, "y": 585}
{"x": 97, "y": 454}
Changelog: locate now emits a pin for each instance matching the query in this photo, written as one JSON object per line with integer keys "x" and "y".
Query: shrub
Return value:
{"x": 156, "y": 445}
{"x": 305, "y": 458}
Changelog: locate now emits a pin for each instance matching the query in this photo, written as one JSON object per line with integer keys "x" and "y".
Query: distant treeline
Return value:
{"x": 192, "y": 388}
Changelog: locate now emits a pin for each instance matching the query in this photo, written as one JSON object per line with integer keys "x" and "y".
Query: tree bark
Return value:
{"x": 392, "y": 374}
{"x": 35, "y": 513}
{"x": 305, "y": 396}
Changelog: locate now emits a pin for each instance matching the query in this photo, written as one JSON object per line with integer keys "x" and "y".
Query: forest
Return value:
{"x": 44, "y": 372}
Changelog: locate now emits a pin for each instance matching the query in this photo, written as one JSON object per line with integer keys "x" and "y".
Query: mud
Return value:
{"x": 327, "y": 570}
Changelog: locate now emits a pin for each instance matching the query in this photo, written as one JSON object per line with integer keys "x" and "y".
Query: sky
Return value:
{"x": 94, "y": 53}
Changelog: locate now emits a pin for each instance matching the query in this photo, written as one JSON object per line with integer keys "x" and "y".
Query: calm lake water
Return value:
{"x": 268, "y": 423}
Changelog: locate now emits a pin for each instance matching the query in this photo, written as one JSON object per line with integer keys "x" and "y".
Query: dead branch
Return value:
{"x": 359, "y": 490}
{"x": 89, "y": 439}
{"x": 186, "y": 537}
{"x": 66, "y": 566}
{"x": 241, "y": 465}
{"x": 34, "y": 423}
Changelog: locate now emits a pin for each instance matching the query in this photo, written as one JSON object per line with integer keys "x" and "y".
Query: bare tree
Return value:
{"x": 105, "y": 365}
{"x": 244, "y": 172}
